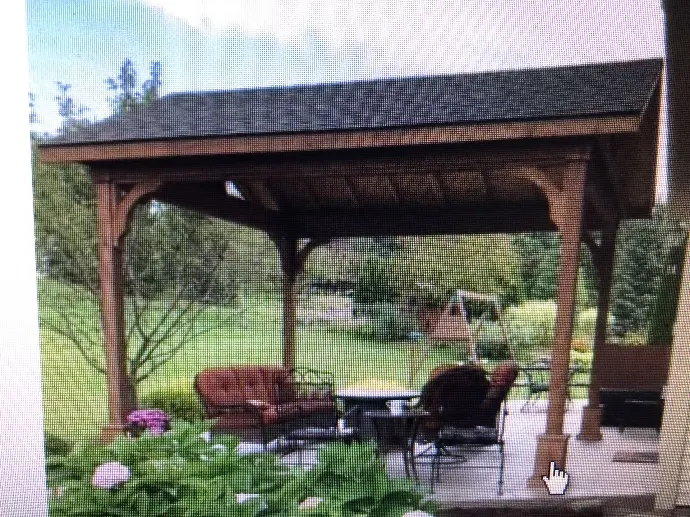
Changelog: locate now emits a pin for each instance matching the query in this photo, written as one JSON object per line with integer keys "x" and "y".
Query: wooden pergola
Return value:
{"x": 570, "y": 149}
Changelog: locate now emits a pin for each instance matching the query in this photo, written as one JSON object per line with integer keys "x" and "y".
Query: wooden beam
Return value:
{"x": 344, "y": 164}
{"x": 420, "y": 221}
{"x": 287, "y": 250}
{"x": 332, "y": 140}
{"x": 292, "y": 260}
{"x": 211, "y": 199}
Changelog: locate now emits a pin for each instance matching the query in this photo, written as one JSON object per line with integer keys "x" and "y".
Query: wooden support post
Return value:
{"x": 287, "y": 247}
{"x": 603, "y": 260}
{"x": 121, "y": 398}
{"x": 565, "y": 209}
{"x": 292, "y": 260}
{"x": 113, "y": 215}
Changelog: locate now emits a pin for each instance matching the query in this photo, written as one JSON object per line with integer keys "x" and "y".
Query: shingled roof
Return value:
{"x": 515, "y": 95}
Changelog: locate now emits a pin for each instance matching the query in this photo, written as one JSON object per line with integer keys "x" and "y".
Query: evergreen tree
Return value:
{"x": 646, "y": 276}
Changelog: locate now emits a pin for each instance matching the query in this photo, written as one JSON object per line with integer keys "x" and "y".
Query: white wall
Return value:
{"x": 22, "y": 465}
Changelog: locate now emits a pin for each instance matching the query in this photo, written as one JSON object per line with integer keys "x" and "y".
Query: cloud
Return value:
{"x": 427, "y": 36}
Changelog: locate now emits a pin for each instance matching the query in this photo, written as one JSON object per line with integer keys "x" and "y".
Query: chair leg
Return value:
{"x": 501, "y": 451}
{"x": 435, "y": 466}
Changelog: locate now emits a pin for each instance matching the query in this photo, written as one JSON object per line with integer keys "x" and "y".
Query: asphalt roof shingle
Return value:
{"x": 515, "y": 95}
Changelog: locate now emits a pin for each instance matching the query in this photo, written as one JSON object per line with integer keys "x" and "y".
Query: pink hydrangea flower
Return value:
{"x": 155, "y": 420}
{"x": 110, "y": 474}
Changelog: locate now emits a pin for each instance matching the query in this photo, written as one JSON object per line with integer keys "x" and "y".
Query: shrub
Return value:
{"x": 184, "y": 472}
{"x": 491, "y": 344}
{"x": 386, "y": 321}
{"x": 581, "y": 346}
{"x": 530, "y": 324}
{"x": 585, "y": 321}
{"x": 178, "y": 399}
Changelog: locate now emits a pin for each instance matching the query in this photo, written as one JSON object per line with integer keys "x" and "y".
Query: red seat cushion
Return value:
{"x": 220, "y": 387}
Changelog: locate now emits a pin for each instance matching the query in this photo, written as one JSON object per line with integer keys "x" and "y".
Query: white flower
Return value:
{"x": 219, "y": 447}
{"x": 417, "y": 513}
{"x": 110, "y": 474}
{"x": 310, "y": 503}
{"x": 206, "y": 436}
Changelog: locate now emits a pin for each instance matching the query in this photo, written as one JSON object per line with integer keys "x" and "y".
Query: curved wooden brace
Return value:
{"x": 558, "y": 197}
{"x": 292, "y": 258}
{"x": 540, "y": 179}
{"x": 125, "y": 205}
{"x": 303, "y": 254}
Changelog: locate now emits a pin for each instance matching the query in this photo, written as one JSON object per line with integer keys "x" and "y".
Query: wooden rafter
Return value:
{"x": 265, "y": 195}
{"x": 437, "y": 190}
{"x": 350, "y": 193}
{"x": 392, "y": 188}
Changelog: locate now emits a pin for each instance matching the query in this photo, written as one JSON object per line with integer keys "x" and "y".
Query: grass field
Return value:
{"x": 75, "y": 400}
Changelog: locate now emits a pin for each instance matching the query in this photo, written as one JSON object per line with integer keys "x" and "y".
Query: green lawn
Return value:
{"x": 75, "y": 396}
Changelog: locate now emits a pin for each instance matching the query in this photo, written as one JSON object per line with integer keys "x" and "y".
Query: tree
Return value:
{"x": 126, "y": 88}
{"x": 645, "y": 286}
{"x": 178, "y": 284}
{"x": 539, "y": 258}
{"x": 33, "y": 116}
{"x": 71, "y": 112}
{"x": 178, "y": 268}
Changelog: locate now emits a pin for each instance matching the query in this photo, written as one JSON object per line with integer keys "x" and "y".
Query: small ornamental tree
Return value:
{"x": 178, "y": 268}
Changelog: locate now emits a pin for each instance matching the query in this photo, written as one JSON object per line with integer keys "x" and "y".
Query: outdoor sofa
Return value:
{"x": 258, "y": 402}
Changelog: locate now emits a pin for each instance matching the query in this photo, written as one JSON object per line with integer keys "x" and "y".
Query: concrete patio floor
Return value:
{"x": 592, "y": 472}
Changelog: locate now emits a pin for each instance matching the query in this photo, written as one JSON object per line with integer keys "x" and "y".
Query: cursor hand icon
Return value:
{"x": 557, "y": 480}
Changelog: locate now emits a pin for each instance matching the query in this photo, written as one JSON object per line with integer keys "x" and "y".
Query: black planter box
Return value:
{"x": 631, "y": 408}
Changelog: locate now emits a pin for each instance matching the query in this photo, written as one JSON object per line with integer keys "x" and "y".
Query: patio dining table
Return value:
{"x": 371, "y": 400}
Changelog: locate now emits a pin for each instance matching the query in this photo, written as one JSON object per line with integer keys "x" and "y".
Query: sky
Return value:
{"x": 223, "y": 44}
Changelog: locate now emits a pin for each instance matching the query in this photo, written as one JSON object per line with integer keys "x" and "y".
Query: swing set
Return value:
{"x": 458, "y": 324}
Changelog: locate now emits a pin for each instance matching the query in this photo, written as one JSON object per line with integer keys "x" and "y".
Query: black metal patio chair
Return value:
{"x": 538, "y": 381}
{"x": 467, "y": 412}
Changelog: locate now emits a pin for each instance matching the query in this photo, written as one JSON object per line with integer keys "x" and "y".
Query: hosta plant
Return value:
{"x": 185, "y": 472}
